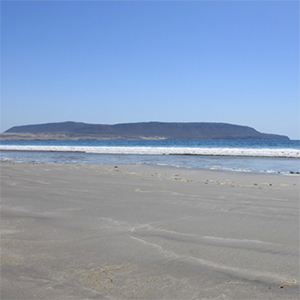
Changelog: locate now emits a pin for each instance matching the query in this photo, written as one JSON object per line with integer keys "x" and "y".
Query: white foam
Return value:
{"x": 253, "y": 152}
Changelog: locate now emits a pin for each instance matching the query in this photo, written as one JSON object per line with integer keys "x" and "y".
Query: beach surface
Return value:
{"x": 147, "y": 232}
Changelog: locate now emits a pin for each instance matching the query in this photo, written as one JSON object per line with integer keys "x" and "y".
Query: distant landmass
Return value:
{"x": 145, "y": 130}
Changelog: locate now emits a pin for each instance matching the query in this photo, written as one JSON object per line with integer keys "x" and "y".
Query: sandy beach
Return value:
{"x": 147, "y": 232}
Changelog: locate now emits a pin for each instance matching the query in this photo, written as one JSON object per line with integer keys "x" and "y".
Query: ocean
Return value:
{"x": 256, "y": 156}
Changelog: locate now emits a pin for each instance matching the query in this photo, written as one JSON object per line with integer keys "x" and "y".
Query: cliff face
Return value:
{"x": 150, "y": 130}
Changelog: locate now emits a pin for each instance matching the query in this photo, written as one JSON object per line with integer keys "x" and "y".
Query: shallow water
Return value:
{"x": 272, "y": 156}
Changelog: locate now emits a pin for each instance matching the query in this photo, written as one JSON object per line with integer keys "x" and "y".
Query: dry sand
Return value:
{"x": 147, "y": 232}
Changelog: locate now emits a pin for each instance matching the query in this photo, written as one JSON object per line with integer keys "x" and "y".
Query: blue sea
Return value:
{"x": 256, "y": 156}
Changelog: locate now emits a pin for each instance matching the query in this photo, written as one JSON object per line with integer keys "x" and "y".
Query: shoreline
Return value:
{"x": 238, "y": 152}
{"x": 117, "y": 231}
{"x": 171, "y": 154}
{"x": 8, "y": 160}
{"x": 158, "y": 164}
{"x": 166, "y": 168}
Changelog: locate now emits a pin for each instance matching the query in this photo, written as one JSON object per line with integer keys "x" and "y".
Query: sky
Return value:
{"x": 109, "y": 62}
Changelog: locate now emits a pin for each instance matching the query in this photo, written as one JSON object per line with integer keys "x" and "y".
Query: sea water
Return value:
{"x": 271, "y": 156}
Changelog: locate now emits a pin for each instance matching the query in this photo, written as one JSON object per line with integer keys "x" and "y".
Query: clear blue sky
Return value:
{"x": 130, "y": 61}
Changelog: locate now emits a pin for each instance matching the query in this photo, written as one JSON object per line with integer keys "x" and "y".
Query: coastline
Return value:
{"x": 147, "y": 232}
{"x": 178, "y": 154}
{"x": 144, "y": 150}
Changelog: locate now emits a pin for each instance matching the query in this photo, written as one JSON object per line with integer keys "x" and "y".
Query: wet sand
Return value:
{"x": 147, "y": 232}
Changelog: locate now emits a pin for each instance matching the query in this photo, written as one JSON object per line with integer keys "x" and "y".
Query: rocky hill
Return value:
{"x": 145, "y": 130}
